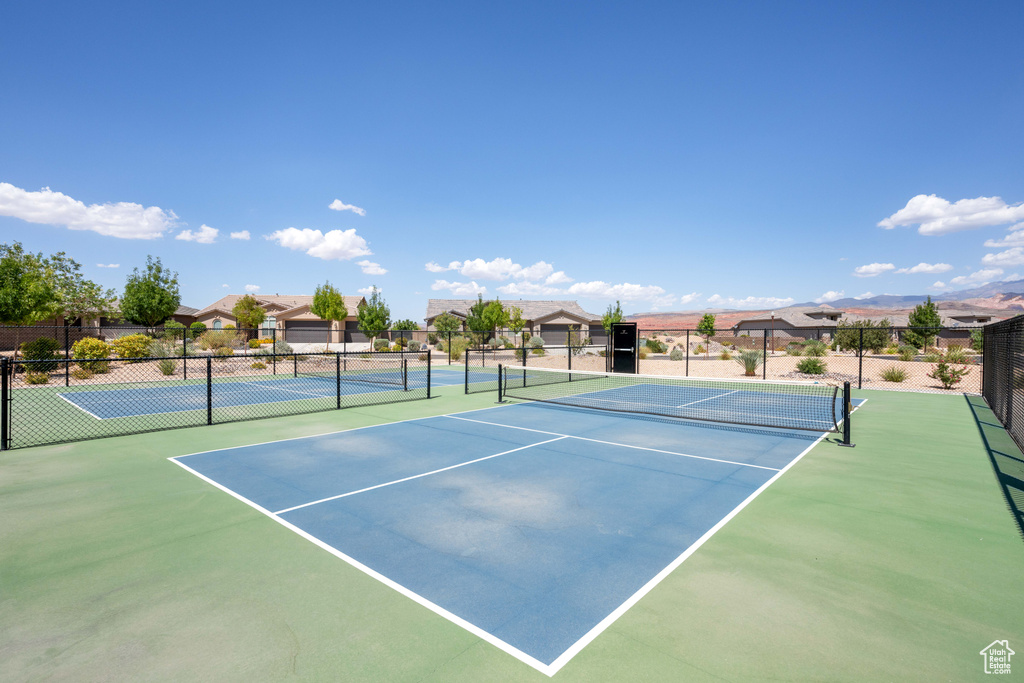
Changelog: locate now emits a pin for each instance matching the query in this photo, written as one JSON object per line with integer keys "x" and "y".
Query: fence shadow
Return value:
{"x": 1006, "y": 458}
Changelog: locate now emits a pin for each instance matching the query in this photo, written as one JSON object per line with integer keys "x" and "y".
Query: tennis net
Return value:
{"x": 336, "y": 367}
{"x": 790, "y": 405}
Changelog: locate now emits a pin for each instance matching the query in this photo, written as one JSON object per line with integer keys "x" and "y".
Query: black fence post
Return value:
{"x": 468, "y": 351}
{"x": 405, "y": 374}
{"x": 764, "y": 354}
{"x": 273, "y": 356}
{"x": 209, "y": 390}
{"x": 860, "y": 361}
{"x": 429, "y": 363}
{"x": 5, "y": 404}
{"x": 337, "y": 374}
{"x": 67, "y": 357}
{"x": 686, "y": 372}
{"x": 295, "y": 366}
{"x": 983, "y": 335}
{"x": 501, "y": 370}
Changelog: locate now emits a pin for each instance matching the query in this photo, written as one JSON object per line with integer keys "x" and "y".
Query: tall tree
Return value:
{"x": 515, "y": 321}
{"x": 495, "y": 316}
{"x": 925, "y": 317}
{"x": 863, "y": 335}
{"x": 475, "y": 320}
{"x": 76, "y": 297}
{"x": 706, "y": 329}
{"x": 248, "y": 314}
{"x": 151, "y": 297}
{"x": 328, "y": 304}
{"x": 446, "y": 322}
{"x": 374, "y": 315}
{"x": 611, "y": 316}
{"x": 26, "y": 290}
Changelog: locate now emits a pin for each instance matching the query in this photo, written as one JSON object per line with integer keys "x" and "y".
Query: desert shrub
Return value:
{"x": 458, "y": 346}
{"x": 725, "y": 355}
{"x": 259, "y": 365}
{"x": 33, "y": 377}
{"x": 948, "y": 374}
{"x": 892, "y": 349}
{"x": 494, "y": 343}
{"x": 642, "y": 352}
{"x": 42, "y": 349}
{"x": 281, "y": 346}
{"x": 505, "y": 341}
{"x": 894, "y": 373}
{"x": 223, "y": 352}
{"x": 440, "y": 345}
{"x": 669, "y": 339}
{"x": 519, "y": 354}
{"x": 159, "y": 348}
{"x": 677, "y": 354}
{"x": 931, "y": 357}
{"x": 978, "y": 340}
{"x": 167, "y": 366}
{"x": 956, "y": 354}
{"x": 655, "y": 346}
{"x": 173, "y": 330}
{"x": 365, "y": 356}
{"x": 381, "y": 344}
{"x": 811, "y": 366}
{"x": 794, "y": 349}
{"x": 907, "y": 352}
{"x": 414, "y": 346}
{"x": 751, "y": 360}
{"x": 814, "y": 348}
{"x": 537, "y": 351}
{"x": 431, "y": 337}
{"x": 700, "y": 349}
{"x": 132, "y": 346}
{"x": 265, "y": 340}
{"x": 230, "y": 327}
{"x": 536, "y": 342}
{"x": 196, "y": 329}
{"x": 81, "y": 373}
{"x": 526, "y": 336}
{"x": 254, "y": 343}
{"x": 91, "y": 354}
{"x": 401, "y": 342}
{"x": 216, "y": 339}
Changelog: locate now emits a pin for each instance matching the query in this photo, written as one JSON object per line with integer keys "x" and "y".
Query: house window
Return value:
{"x": 217, "y": 324}
{"x": 269, "y": 323}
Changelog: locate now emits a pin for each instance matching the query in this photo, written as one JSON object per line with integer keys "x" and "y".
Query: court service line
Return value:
{"x": 415, "y": 476}
{"x": 709, "y": 398}
{"x": 620, "y": 445}
{"x": 267, "y": 387}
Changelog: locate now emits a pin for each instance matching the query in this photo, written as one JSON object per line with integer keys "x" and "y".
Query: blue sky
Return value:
{"x": 670, "y": 155}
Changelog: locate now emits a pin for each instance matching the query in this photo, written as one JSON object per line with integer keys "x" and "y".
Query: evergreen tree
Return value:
{"x": 374, "y": 315}
{"x": 925, "y": 318}
{"x": 151, "y": 297}
{"x": 328, "y": 304}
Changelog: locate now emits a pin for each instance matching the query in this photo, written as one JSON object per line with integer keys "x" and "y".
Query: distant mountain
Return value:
{"x": 988, "y": 291}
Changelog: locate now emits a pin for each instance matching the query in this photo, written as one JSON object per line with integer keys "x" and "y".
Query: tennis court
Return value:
{"x": 533, "y": 526}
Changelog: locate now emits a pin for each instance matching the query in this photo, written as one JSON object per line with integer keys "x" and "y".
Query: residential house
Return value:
{"x": 550, "y": 320}
{"x": 289, "y": 318}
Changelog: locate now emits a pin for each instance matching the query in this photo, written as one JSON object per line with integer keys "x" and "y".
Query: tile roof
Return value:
{"x": 287, "y": 301}
{"x": 532, "y": 310}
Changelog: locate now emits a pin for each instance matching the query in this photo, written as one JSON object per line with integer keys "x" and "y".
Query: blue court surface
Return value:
{"x": 105, "y": 404}
{"x": 530, "y": 525}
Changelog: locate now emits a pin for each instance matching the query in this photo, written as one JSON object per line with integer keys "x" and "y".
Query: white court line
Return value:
{"x": 620, "y": 445}
{"x": 78, "y": 406}
{"x": 416, "y": 476}
{"x": 272, "y": 388}
{"x": 709, "y": 398}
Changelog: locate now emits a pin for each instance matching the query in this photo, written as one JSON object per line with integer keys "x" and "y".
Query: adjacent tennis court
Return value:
{"x": 533, "y": 526}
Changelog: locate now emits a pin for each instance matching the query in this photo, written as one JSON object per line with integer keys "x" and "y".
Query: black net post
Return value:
{"x": 847, "y": 410}
{"x": 468, "y": 351}
{"x": 209, "y": 390}
{"x": 764, "y": 354}
{"x": 5, "y": 404}
{"x": 67, "y": 355}
{"x": 295, "y": 365}
{"x": 337, "y": 376}
{"x": 273, "y": 357}
{"x": 860, "y": 361}
{"x": 500, "y": 373}
{"x": 405, "y": 374}
{"x": 185, "y": 335}
{"x": 687, "y": 371}
{"x": 429, "y": 363}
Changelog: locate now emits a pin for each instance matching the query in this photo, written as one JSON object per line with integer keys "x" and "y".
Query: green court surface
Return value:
{"x": 899, "y": 559}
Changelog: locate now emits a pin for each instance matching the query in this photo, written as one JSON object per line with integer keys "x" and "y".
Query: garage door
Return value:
{"x": 598, "y": 336}
{"x": 353, "y": 333}
{"x": 555, "y": 335}
{"x": 306, "y": 331}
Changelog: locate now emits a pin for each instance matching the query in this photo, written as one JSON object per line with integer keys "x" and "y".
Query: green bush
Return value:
{"x": 948, "y": 374}
{"x": 642, "y": 352}
{"x": 931, "y": 357}
{"x": 282, "y": 347}
{"x": 216, "y": 339}
{"x": 751, "y": 360}
{"x": 230, "y": 327}
{"x": 440, "y": 345}
{"x": 223, "y": 352}
{"x": 381, "y": 344}
{"x": 978, "y": 340}
{"x": 677, "y": 354}
{"x": 725, "y": 355}
{"x": 956, "y": 354}
{"x": 167, "y": 366}
{"x": 173, "y": 330}
{"x": 794, "y": 349}
{"x": 91, "y": 354}
{"x": 458, "y": 346}
{"x": 132, "y": 347}
{"x": 907, "y": 352}
{"x": 814, "y": 348}
{"x": 539, "y": 351}
{"x": 700, "y": 349}
{"x": 259, "y": 365}
{"x": 81, "y": 373}
{"x": 401, "y": 342}
{"x": 811, "y": 366}
{"x": 414, "y": 346}
{"x": 894, "y": 373}
{"x": 42, "y": 349}
{"x": 536, "y": 342}
{"x": 655, "y": 346}
{"x": 254, "y": 344}
{"x": 32, "y": 377}
{"x": 431, "y": 337}
{"x": 196, "y": 329}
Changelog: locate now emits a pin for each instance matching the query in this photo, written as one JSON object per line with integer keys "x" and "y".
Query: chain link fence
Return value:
{"x": 1004, "y": 374}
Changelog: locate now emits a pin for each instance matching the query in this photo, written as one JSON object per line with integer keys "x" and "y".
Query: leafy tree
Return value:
{"x": 577, "y": 342}
{"x": 26, "y": 292}
{"x": 876, "y": 335}
{"x": 151, "y": 297}
{"x": 374, "y": 315}
{"x": 925, "y": 317}
{"x": 706, "y": 329}
{"x": 446, "y": 322}
{"x": 978, "y": 339}
{"x": 495, "y": 316}
{"x": 612, "y": 316}
{"x": 405, "y": 324}
{"x": 475, "y": 320}
{"x": 75, "y": 296}
{"x": 248, "y": 313}
{"x": 328, "y": 304}
{"x": 515, "y": 320}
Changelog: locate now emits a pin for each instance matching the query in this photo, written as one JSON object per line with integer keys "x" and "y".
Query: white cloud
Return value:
{"x": 872, "y": 269}
{"x": 240, "y": 235}
{"x": 252, "y": 289}
{"x": 371, "y": 268}
{"x": 751, "y": 301}
{"x": 559, "y": 278}
{"x": 1011, "y": 257}
{"x": 108, "y": 265}
{"x": 228, "y": 286}
{"x": 122, "y": 219}
{"x": 436, "y": 268}
{"x": 931, "y": 268}
{"x": 459, "y": 288}
{"x": 529, "y": 289}
{"x": 626, "y": 291}
{"x": 365, "y": 291}
{"x": 980, "y": 277}
{"x": 937, "y": 216}
{"x": 204, "y": 235}
{"x": 830, "y": 296}
{"x": 339, "y": 205}
{"x": 939, "y": 285}
{"x": 1015, "y": 238}
{"x": 689, "y": 298}
{"x": 865, "y": 295}
{"x": 502, "y": 269}
{"x": 336, "y": 245}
